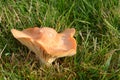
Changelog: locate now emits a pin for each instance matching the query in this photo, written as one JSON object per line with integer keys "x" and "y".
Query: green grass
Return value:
{"x": 97, "y": 24}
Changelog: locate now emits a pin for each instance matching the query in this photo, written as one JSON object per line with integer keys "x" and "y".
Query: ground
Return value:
{"x": 97, "y": 34}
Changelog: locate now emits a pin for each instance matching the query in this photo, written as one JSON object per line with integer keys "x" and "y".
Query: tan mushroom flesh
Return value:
{"x": 46, "y": 43}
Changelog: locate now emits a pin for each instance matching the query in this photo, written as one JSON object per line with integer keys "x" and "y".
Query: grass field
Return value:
{"x": 97, "y": 24}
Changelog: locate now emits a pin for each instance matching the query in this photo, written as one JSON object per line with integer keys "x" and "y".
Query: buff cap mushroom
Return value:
{"x": 46, "y": 43}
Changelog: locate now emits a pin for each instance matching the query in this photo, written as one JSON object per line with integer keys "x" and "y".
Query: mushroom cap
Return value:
{"x": 48, "y": 41}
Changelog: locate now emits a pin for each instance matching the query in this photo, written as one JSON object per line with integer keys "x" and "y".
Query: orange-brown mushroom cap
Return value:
{"x": 46, "y": 43}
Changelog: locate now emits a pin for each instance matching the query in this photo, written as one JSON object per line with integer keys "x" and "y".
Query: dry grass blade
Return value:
{"x": 2, "y": 51}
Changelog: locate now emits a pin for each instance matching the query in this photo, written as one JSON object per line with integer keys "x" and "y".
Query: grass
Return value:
{"x": 97, "y": 33}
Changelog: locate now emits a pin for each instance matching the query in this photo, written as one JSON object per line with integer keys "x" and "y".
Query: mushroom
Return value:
{"x": 46, "y": 43}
